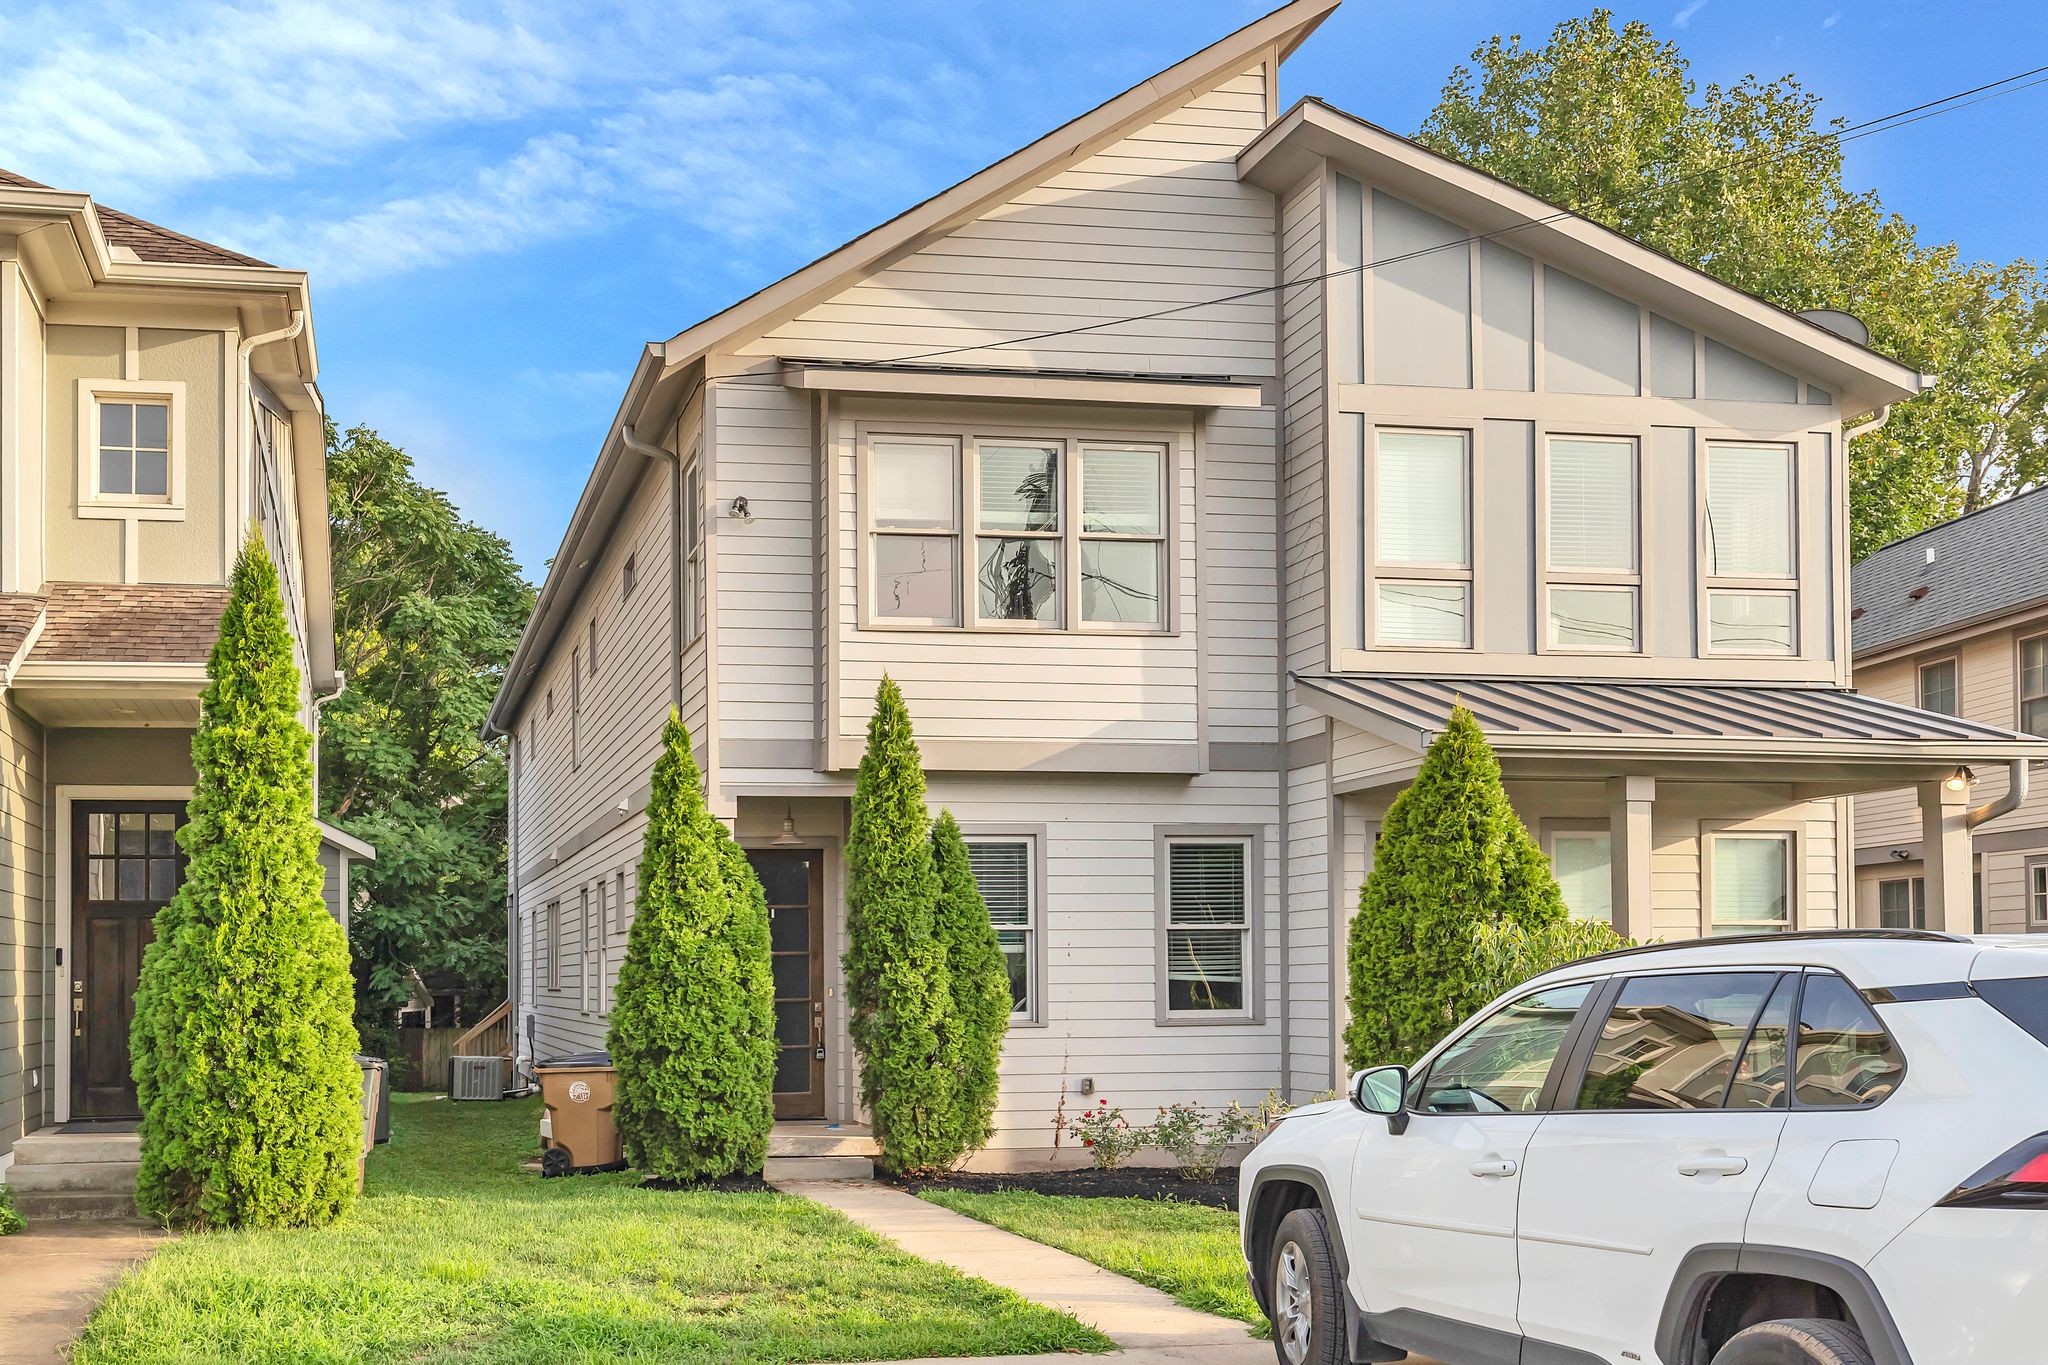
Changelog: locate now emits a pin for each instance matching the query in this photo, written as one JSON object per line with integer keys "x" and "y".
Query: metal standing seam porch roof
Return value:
{"x": 1750, "y": 720}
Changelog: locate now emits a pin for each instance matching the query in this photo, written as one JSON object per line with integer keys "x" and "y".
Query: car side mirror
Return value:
{"x": 1383, "y": 1091}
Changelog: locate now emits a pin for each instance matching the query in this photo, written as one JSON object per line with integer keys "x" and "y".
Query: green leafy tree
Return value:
{"x": 1744, "y": 182}
{"x": 427, "y": 609}
{"x": 242, "y": 1045}
{"x": 1452, "y": 858}
{"x": 1510, "y": 953}
{"x": 980, "y": 979}
{"x": 693, "y": 1022}
{"x": 898, "y": 986}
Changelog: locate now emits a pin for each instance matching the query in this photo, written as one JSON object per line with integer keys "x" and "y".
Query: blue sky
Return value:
{"x": 500, "y": 203}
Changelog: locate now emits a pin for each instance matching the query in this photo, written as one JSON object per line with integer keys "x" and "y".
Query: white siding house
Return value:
{"x": 1182, "y": 524}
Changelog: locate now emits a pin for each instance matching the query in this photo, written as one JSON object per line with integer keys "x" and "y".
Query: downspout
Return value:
{"x": 243, "y": 422}
{"x": 631, "y": 440}
{"x": 320, "y": 700}
{"x": 2015, "y": 793}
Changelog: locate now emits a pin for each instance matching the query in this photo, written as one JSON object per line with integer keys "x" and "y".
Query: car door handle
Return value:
{"x": 1497, "y": 1166}
{"x": 1713, "y": 1165}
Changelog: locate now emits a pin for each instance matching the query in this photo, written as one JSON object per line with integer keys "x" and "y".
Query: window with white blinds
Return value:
{"x": 1593, "y": 505}
{"x": 914, "y": 509}
{"x": 1752, "y": 882}
{"x": 1003, "y": 871}
{"x": 1208, "y": 926}
{"x": 1422, "y": 547}
{"x": 1583, "y": 861}
{"x": 1123, "y": 534}
{"x": 1749, "y": 511}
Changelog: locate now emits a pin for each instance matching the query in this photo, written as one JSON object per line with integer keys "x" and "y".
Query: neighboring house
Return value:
{"x": 1955, "y": 620}
{"x": 157, "y": 400}
{"x": 1179, "y": 590}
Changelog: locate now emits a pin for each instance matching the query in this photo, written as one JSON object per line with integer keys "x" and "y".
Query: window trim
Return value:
{"x": 966, "y": 437}
{"x": 2019, "y": 680}
{"x": 1580, "y": 826}
{"x": 2037, "y": 923}
{"x": 695, "y": 607}
{"x": 628, "y": 576}
{"x": 551, "y": 946}
{"x": 575, "y": 709}
{"x": 621, "y": 923}
{"x": 584, "y": 983}
{"x": 1710, "y": 583}
{"x": 1252, "y": 837}
{"x": 1381, "y": 573}
{"x": 1036, "y": 1015}
{"x": 1920, "y": 668}
{"x": 128, "y": 506}
{"x": 1916, "y": 901}
{"x": 1795, "y": 892}
{"x": 1550, "y": 577}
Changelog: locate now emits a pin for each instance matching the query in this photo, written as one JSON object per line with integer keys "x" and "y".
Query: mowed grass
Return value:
{"x": 456, "y": 1254}
{"x": 1188, "y": 1250}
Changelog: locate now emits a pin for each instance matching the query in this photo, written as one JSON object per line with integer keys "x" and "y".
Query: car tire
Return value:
{"x": 1796, "y": 1341}
{"x": 1306, "y": 1292}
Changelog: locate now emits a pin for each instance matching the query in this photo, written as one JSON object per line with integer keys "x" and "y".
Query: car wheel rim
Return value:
{"x": 1293, "y": 1303}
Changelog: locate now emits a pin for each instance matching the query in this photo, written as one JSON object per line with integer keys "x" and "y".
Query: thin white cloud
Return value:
{"x": 1683, "y": 19}
{"x": 1831, "y": 20}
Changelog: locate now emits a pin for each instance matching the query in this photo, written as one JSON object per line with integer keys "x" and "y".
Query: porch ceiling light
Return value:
{"x": 1959, "y": 780}
{"x": 789, "y": 838}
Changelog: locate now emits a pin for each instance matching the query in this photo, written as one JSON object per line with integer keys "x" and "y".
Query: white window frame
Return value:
{"x": 130, "y": 506}
{"x": 1169, "y": 837}
{"x": 628, "y": 574}
{"x": 1714, "y": 584}
{"x": 2020, "y": 683}
{"x": 1955, "y": 667}
{"x": 1795, "y": 907}
{"x": 1554, "y": 577}
{"x": 1033, "y": 841}
{"x": 1916, "y": 902}
{"x": 551, "y": 945}
{"x": 694, "y": 608}
{"x": 575, "y": 709}
{"x": 584, "y": 947}
{"x": 1555, "y": 830}
{"x": 2036, "y": 887}
{"x": 1078, "y": 472}
{"x": 966, "y": 441}
{"x": 1381, "y": 572}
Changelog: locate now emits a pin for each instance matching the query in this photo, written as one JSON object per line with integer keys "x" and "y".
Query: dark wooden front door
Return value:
{"x": 125, "y": 865}
{"x": 794, "y": 879}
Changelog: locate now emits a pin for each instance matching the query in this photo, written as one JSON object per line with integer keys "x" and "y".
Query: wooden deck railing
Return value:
{"x": 490, "y": 1036}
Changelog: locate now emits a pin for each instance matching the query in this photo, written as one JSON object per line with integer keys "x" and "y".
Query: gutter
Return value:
{"x": 2015, "y": 794}
{"x": 630, "y": 438}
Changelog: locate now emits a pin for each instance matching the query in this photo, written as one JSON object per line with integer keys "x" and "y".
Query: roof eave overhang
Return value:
{"x": 1045, "y": 386}
{"x": 1312, "y": 132}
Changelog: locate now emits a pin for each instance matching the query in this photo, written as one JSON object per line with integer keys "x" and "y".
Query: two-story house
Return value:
{"x": 1954, "y": 620}
{"x": 1185, "y": 467}
{"x": 157, "y": 400}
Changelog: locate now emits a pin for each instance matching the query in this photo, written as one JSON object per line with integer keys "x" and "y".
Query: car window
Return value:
{"x": 1844, "y": 1058}
{"x": 1499, "y": 1066}
{"x": 2024, "y": 1000}
{"x": 1672, "y": 1042}
{"x": 1760, "y": 1076}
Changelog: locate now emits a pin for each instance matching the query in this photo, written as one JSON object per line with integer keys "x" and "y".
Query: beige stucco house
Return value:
{"x": 157, "y": 400}
{"x": 1185, "y": 467}
{"x": 1955, "y": 621}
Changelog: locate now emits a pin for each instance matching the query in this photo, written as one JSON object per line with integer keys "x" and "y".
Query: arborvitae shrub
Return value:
{"x": 243, "y": 1044}
{"x": 980, "y": 980}
{"x": 693, "y": 1018}
{"x": 1452, "y": 857}
{"x": 897, "y": 982}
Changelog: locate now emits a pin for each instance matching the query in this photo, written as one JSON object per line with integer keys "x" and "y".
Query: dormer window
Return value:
{"x": 130, "y": 459}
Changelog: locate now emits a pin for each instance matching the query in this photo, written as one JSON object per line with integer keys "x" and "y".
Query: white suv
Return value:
{"x": 1805, "y": 1149}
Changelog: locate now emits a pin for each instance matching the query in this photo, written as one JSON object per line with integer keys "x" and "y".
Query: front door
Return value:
{"x": 125, "y": 865}
{"x": 794, "y": 879}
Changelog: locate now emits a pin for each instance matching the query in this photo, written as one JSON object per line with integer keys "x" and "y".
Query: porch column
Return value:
{"x": 1945, "y": 843}
{"x": 1629, "y": 803}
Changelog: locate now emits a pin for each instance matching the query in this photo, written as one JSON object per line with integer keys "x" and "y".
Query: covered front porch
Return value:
{"x": 1680, "y": 810}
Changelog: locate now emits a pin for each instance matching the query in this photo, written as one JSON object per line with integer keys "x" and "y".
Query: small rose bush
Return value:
{"x": 1109, "y": 1137}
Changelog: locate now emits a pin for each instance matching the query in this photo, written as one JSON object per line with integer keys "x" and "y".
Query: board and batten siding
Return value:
{"x": 1156, "y": 219}
{"x": 27, "y": 1010}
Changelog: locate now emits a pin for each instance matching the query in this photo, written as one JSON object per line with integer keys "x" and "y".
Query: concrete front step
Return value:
{"x": 778, "y": 1169}
{"x": 817, "y": 1140}
{"x": 105, "y": 1177}
{"x": 47, "y": 1147}
{"x": 66, "y": 1205}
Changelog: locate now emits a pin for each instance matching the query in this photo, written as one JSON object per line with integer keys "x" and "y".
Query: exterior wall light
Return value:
{"x": 1959, "y": 780}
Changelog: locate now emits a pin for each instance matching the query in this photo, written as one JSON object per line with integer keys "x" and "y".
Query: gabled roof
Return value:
{"x": 1980, "y": 566}
{"x": 149, "y": 241}
{"x": 1312, "y": 130}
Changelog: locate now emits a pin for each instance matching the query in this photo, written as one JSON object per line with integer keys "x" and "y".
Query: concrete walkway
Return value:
{"x": 54, "y": 1273}
{"x": 1149, "y": 1325}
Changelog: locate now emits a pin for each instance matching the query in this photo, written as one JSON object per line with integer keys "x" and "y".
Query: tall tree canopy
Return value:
{"x": 428, "y": 607}
{"x": 1746, "y": 183}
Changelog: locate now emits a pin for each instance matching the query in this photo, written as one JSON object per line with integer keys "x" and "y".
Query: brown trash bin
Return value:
{"x": 576, "y": 1094}
{"x": 373, "y": 1088}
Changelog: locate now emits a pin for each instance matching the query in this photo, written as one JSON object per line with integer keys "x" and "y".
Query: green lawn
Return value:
{"x": 456, "y": 1254}
{"x": 1188, "y": 1250}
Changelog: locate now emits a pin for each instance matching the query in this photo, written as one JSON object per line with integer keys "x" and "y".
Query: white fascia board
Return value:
{"x": 936, "y": 382}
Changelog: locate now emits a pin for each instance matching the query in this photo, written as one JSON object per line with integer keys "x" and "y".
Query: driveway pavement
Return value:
{"x": 54, "y": 1273}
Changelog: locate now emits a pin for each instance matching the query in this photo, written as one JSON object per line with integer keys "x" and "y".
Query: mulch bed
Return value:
{"x": 1127, "y": 1182}
{"x": 730, "y": 1184}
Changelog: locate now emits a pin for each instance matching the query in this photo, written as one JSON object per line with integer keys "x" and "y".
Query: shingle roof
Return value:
{"x": 18, "y": 613}
{"x": 149, "y": 241}
{"x": 1535, "y": 710}
{"x": 1992, "y": 560}
{"x": 161, "y": 623}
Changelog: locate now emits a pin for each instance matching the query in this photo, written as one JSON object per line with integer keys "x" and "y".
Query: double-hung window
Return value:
{"x": 1207, "y": 935}
{"x": 1004, "y": 869}
{"x": 1937, "y": 687}
{"x": 2037, "y": 894}
{"x": 1751, "y": 880}
{"x": 1752, "y": 600}
{"x": 1422, "y": 539}
{"x": 1593, "y": 585}
{"x": 693, "y": 553}
{"x": 1902, "y": 903}
{"x": 1583, "y": 860}
{"x": 1016, "y": 532}
{"x": 2034, "y": 685}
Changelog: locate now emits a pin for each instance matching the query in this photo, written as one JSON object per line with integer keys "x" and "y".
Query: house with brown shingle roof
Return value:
{"x": 158, "y": 401}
